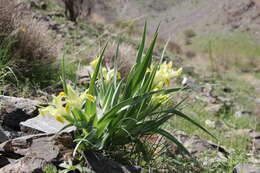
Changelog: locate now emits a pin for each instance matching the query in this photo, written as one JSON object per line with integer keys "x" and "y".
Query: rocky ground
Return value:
{"x": 225, "y": 100}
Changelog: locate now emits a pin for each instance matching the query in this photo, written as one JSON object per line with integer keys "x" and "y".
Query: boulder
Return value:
{"x": 247, "y": 168}
{"x": 255, "y": 138}
{"x": 104, "y": 165}
{"x": 198, "y": 148}
{"x": 32, "y": 152}
{"x": 15, "y": 110}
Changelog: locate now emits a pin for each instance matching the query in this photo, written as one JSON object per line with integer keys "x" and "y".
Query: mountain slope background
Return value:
{"x": 216, "y": 42}
{"x": 175, "y": 16}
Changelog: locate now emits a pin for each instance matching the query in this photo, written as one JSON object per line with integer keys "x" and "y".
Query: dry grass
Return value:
{"x": 126, "y": 57}
{"x": 5, "y": 17}
{"x": 33, "y": 42}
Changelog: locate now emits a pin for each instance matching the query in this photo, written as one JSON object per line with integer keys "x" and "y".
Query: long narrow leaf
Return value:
{"x": 135, "y": 100}
{"x": 174, "y": 140}
{"x": 140, "y": 72}
{"x": 91, "y": 106}
{"x": 115, "y": 63}
{"x": 141, "y": 48}
{"x": 176, "y": 112}
{"x": 63, "y": 75}
{"x": 96, "y": 71}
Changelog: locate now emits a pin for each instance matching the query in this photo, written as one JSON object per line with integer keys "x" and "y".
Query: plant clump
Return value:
{"x": 113, "y": 112}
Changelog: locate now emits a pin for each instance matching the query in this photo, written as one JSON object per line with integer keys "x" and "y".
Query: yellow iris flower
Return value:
{"x": 165, "y": 74}
{"x": 63, "y": 103}
{"x": 90, "y": 97}
{"x": 107, "y": 73}
{"x": 93, "y": 63}
{"x": 59, "y": 118}
{"x": 160, "y": 98}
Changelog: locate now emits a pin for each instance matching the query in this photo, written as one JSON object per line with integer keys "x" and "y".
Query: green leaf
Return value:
{"x": 96, "y": 71}
{"x": 173, "y": 139}
{"x": 141, "y": 70}
{"x": 63, "y": 75}
{"x": 176, "y": 112}
{"x": 115, "y": 63}
{"x": 141, "y": 47}
{"x": 140, "y": 147}
{"x": 90, "y": 106}
{"x": 135, "y": 100}
{"x": 150, "y": 126}
{"x": 115, "y": 97}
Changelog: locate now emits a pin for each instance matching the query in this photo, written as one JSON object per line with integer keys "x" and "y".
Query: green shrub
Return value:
{"x": 115, "y": 112}
{"x": 49, "y": 168}
{"x": 189, "y": 33}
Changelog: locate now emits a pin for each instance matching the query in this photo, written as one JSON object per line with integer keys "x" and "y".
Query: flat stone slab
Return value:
{"x": 44, "y": 124}
{"x": 26, "y": 105}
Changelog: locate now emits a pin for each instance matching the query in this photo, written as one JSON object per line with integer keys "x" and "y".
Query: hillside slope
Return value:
{"x": 176, "y": 16}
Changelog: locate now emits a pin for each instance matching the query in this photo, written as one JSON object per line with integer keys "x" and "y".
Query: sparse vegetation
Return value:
{"x": 121, "y": 114}
{"x": 113, "y": 113}
{"x": 189, "y": 33}
{"x": 28, "y": 44}
{"x": 238, "y": 50}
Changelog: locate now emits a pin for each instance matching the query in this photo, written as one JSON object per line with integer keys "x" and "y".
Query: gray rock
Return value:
{"x": 198, "y": 148}
{"x": 34, "y": 151}
{"x": 45, "y": 124}
{"x": 242, "y": 113}
{"x": 257, "y": 100}
{"x": 227, "y": 101}
{"x": 247, "y": 168}
{"x": 243, "y": 132}
{"x": 255, "y": 138}
{"x": 103, "y": 165}
{"x": 214, "y": 108}
{"x": 15, "y": 110}
{"x": 217, "y": 124}
{"x": 27, "y": 105}
{"x": 256, "y": 144}
{"x": 3, "y": 136}
{"x": 191, "y": 84}
{"x": 254, "y": 134}
{"x": 25, "y": 165}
